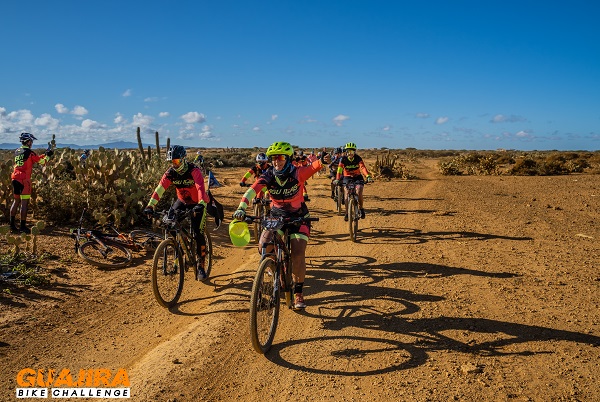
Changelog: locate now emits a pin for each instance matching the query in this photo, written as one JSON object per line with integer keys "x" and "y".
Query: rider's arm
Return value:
{"x": 363, "y": 169}
{"x": 305, "y": 172}
{"x": 340, "y": 170}
{"x": 248, "y": 175}
{"x": 254, "y": 189}
{"x": 203, "y": 197}
{"x": 41, "y": 159}
{"x": 159, "y": 190}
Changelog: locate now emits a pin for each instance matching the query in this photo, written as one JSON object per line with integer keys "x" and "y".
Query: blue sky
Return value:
{"x": 428, "y": 74}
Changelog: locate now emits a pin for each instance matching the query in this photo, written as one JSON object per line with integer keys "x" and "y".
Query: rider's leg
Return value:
{"x": 359, "y": 191}
{"x": 298, "y": 259}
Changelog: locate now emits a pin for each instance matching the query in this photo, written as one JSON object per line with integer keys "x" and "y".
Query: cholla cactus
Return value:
{"x": 157, "y": 144}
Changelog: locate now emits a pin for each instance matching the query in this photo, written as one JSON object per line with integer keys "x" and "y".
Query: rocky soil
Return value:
{"x": 474, "y": 288}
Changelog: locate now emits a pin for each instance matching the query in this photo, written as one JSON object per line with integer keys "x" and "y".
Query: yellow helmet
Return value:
{"x": 350, "y": 145}
{"x": 280, "y": 148}
{"x": 239, "y": 233}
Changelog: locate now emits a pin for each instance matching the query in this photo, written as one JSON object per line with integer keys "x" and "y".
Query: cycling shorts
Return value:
{"x": 22, "y": 189}
{"x": 357, "y": 180}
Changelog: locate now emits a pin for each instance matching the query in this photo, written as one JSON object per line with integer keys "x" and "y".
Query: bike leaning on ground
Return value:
{"x": 110, "y": 248}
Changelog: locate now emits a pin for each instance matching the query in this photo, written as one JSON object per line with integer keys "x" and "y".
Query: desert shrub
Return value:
{"x": 524, "y": 167}
{"x": 450, "y": 168}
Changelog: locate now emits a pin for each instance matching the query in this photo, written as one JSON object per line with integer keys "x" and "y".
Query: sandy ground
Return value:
{"x": 458, "y": 289}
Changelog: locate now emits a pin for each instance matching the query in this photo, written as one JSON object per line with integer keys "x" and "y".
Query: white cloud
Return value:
{"x": 127, "y": 93}
{"x": 88, "y": 124}
{"x": 151, "y": 99}
{"x": 500, "y": 118}
{"x": 60, "y": 108}
{"x": 339, "y": 119}
{"x": 48, "y": 121}
{"x": 142, "y": 120}
{"x": 255, "y": 128}
{"x": 523, "y": 134}
{"x": 274, "y": 117}
{"x": 386, "y": 128}
{"x": 21, "y": 117}
{"x": 193, "y": 117}
{"x": 441, "y": 120}
{"x": 164, "y": 114}
{"x": 2, "y": 111}
{"x": 119, "y": 119}
{"x": 422, "y": 115}
{"x": 79, "y": 111}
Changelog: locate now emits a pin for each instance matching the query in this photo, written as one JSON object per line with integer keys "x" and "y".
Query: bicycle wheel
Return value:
{"x": 146, "y": 239}
{"x": 258, "y": 211}
{"x": 264, "y": 306}
{"x": 339, "y": 194}
{"x": 209, "y": 254}
{"x": 167, "y": 273}
{"x": 352, "y": 223}
{"x": 113, "y": 255}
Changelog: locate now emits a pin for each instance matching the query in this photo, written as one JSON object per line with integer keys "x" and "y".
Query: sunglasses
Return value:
{"x": 177, "y": 162}
{"x": 278, "y": 158}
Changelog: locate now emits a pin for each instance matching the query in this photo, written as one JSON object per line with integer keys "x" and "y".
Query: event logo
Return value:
{"x": 87, "y": 383}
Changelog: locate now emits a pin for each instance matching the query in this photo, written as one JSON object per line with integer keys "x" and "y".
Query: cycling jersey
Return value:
{"x": 25, "y": 157}
{"x": 351, "y": 167}
{"x": 286, "y": 195}
{"x": 189, "y": 186}
{"x": 255, "y": 171}
{"x": 333, "y": 166}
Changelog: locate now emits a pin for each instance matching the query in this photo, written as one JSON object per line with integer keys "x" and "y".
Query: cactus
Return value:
{"x": 149, "y": 152}
{"x": 157, "y": 144}
{"x": 140, "y": 145}
{"x": 168, "y": 143}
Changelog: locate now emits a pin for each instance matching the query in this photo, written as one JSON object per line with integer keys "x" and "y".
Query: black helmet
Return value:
{"x": 176, "y": 152}
{"x": 338, "y": 150}
{"x": 87, "y": 151}
{"x": 24, "y": 137}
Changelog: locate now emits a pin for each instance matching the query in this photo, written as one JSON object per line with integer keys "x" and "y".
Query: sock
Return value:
{"x": 12, "y": 221}
{"x": 298, "y": 287}
{"x": 22, "y": 223}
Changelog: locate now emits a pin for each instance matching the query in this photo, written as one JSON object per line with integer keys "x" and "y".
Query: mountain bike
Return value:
{"x": 274, "y": 274}
{"x": 175, "y": 255}
{"x": 261, "y": 210}
{"x": 110, "y": 248}
{"x": 353, "y": 210}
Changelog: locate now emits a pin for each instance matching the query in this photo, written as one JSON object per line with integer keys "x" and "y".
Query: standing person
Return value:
{"x": 84, "y": 156}
{"x": 352, "y": 168}
{"x": 25, "y": 157}
{"x": 189, "y": 185}
{"x": 285, "y": 183}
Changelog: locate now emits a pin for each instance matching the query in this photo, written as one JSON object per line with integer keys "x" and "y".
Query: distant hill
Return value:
{"x": 109, "y": 145}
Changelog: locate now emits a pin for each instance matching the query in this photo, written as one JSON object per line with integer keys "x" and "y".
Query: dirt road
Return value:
{"x": 459, "y": 288}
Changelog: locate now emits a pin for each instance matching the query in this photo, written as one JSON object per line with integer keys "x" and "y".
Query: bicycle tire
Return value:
{"x": 258, "y": 211}
{"x": 167, "y": 273}
{"x": 208, "y": 257}
{"x": 148, "y": 239}
{"x": 264, "y": 306}
{"x": 92, "y": 251}
{"x": 352, "y": 218}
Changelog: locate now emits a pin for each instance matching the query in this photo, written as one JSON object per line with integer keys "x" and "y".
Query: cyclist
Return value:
{"x": 285, "y": 183}
{"x": 25, "y": 157}
{"x": 84, "y": 156}
{"x": 262, "y": 164}
{"x": 191, "y": 194}
{"x": 352, "y": 168}
{"x": 333, "y": 166}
